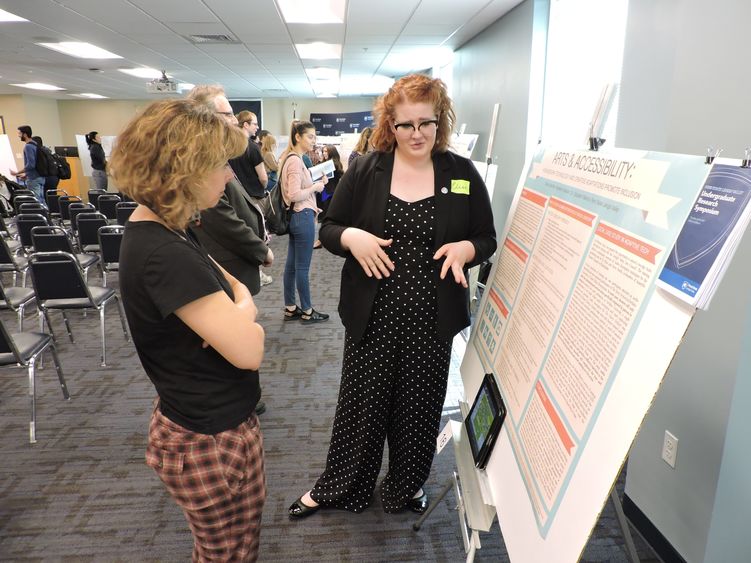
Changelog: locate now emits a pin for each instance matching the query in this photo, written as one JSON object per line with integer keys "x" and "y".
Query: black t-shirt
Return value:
{"x": 159, "y": 273}
{"x": 245, "y": 169}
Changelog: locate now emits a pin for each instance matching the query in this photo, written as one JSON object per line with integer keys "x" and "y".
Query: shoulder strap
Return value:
{"x": 280, "y": 175}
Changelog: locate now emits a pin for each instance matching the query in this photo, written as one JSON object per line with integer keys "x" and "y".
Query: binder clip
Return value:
{"x": 595, "y": 143}
{"x": 710, "y": 157}
{"x": 746, "y": 162}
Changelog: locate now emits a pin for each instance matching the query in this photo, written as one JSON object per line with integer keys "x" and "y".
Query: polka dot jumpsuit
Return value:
{"x": 394, "y": 379}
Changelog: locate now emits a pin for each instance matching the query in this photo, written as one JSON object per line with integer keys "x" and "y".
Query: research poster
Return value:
{"x": 587, "y": 239}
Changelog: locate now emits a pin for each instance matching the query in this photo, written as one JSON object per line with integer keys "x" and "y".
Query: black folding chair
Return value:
{"x": 8, "y": 231}
{"x": 9, "y": 262}
{"x": 35, "y": 207}
{"x": 110, "y": 238}
{"x": 123, "y": 211}
{"x": 53, "y": 201}
{"x": 88, "y": 227}
{"x": 20, "y": 199}
{"x": 59, "y": 284}
{"x": 23, "y": 349}
{"x": 64, "y": 202}
{"x": 94, "y": 196}
{"x": 51, "y": 238}
{"x": 25, "y": 222}
{"x": 107, "y": 203}
{"x": 16, "y": 299}
{"x": 74, "y": 209}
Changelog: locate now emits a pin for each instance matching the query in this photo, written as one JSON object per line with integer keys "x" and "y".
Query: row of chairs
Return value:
{"x": 58, "y": 284}
{"x": 35, "y": 234}
{"x": 59, "y": 275}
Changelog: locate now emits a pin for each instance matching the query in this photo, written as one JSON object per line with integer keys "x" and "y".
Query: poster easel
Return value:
{"x": 555, "y": 523}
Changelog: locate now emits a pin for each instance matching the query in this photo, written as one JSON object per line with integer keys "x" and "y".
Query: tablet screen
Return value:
{"x": 484, "y": 420}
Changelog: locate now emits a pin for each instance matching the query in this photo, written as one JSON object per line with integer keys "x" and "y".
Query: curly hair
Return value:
{"x": 414, "y": 88}
{"x": 163, "y": 157}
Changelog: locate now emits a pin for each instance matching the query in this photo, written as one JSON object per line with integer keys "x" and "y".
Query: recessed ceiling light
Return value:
{"x": 325, "y": 95}
{"x": 38, "y": 86}
{"x": 80, "y": 50}
{"x": 143, "y": 72}
{"x": 90, "y": 95}
{"x": 8, "y": 17}
{"x": 319, "y": 50}
{"x": 312, "y": 11}
{"x": 185, "y": 86}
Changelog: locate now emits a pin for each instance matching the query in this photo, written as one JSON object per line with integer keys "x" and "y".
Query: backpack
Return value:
{"x": 45, "y": 163}
{"x": 278, "y": 212}
{"x": 63, "y": 167}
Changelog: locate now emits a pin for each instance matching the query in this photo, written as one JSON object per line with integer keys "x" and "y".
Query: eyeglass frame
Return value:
{"x": 409, "y": 126}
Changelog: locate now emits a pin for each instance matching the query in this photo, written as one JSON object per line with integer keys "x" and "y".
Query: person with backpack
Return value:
{"x": 34, "y": 180}
{"x": 98, "y": 161}
{"x": 51, "y": 178}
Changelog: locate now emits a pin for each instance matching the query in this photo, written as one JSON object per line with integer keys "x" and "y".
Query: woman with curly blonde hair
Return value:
{"x": 409, "y": 218}
{"x": 193, "y": 325}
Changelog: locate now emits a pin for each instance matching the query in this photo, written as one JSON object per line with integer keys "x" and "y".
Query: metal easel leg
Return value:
{"x": 449, "y": 483}
{"x": 627, "y": 538}
{"x": 474, "y": 542}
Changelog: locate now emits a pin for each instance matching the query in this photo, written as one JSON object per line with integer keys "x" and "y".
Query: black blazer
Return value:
{"x": 360, "y": 201}
{"x": 233, "y": 234}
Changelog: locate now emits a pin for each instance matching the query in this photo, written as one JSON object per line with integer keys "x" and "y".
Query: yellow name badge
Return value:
{"x": 460, "y": 187}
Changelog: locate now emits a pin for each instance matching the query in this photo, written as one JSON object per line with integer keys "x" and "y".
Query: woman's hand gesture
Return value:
{"x": 368, "y": 251}
{"x": 457, "y": 254}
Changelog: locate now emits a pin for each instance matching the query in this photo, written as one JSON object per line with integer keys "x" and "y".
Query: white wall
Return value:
{"x": 503, "y": 64}
{"x": 685, "y": 86}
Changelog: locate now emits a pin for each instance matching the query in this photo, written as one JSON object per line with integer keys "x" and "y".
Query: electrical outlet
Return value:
{"x": 669, "y": 449}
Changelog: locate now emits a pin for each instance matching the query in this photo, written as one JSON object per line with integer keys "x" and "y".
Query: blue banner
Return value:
{"x": 332, "y": 124}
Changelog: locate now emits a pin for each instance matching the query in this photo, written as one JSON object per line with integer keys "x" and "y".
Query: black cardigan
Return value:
{"x": 360, "y": 201}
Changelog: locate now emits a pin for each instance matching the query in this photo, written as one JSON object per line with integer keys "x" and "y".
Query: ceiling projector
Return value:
{"x": 163, "y": 85}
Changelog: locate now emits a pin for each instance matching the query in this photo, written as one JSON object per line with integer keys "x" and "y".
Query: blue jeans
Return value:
{"x": 37, "y": 186}
{"x": 302, "y": 233}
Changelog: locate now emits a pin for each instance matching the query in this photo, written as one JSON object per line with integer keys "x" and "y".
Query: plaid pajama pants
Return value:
{"x": 218, "y": 481}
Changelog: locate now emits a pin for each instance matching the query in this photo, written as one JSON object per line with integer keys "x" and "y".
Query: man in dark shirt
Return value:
{"x": 249, "y": 167}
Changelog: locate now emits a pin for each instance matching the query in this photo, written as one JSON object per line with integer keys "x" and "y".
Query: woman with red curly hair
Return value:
{"x": 193, "y": 325}
{"x": 409, "y": 218}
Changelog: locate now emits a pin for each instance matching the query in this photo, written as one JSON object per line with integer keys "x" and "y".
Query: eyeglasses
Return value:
{"x": 425, "y": 127}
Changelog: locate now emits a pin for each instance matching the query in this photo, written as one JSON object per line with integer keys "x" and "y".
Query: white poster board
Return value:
{"x": 463, "y": 144}
{"x": 577, "y": 335}
{"x": 7, "y": 160}
{"x": 83, "y": 150}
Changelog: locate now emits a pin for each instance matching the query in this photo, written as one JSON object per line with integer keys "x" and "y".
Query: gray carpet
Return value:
{"x": 83, "y": 493}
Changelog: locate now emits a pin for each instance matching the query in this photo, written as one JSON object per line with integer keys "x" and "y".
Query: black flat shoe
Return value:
{"x": 419, "y": 504}
{"x": 299, "y": 509}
